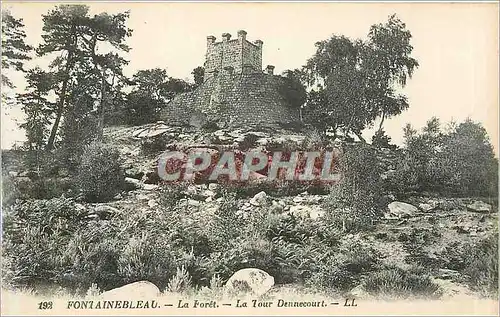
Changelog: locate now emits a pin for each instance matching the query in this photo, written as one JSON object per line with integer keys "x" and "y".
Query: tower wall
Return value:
{"x": 239, "y": 53}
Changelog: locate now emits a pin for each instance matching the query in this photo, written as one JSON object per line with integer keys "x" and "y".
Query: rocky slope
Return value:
{"x": 421, "y": 229}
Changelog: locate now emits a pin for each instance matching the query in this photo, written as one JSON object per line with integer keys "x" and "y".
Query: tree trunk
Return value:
{"x": 360, "y": 137}
{"x": 100, "y": 110}
{"x": 62, "y": 95}
{"x": 60, "y": 104}
{"x": 381, "y": 122}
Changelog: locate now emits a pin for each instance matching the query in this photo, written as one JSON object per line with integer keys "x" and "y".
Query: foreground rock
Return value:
{"x": 141, "y": 289}
{"x": 251, "y": 281}
{"x": 260, "y": 199}
{"x": 399, "y": 209}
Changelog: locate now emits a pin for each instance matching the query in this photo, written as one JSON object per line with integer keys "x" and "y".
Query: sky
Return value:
{"x": 456, "y": 45}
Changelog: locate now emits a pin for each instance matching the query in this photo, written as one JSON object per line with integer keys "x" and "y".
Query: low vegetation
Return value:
{"x": 58, "y": 236}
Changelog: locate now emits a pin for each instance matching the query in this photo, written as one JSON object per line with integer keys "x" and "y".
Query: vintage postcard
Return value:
{"x": 249, "y": 158}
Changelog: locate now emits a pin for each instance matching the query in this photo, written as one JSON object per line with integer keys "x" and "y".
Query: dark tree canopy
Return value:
{"x": 82, "y": 68}
{"x": 198, "y": 74}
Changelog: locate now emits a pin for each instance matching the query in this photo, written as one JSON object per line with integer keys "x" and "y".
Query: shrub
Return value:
{"x": 171, "y": 193}
{"x": 92, "y": 255}
{"x": 479, "y": 262}
{"x": 459, "y": 161}
{"x": 353, "y": 203}
{"x": 398, "y": 283}
{"x": 180, "y": 282}
{"x": 226, "y": 225}
{"x": 36, "y": 233}
{"x": 141, "y": 108}
{"x": 40, "y": 188}
{"x": 286, "y": 228}
{"x": 153, "y": 146}
{"x": 382, "y": 140}
{"x": 100, "y": 176}
{"x": 342, "y": 269}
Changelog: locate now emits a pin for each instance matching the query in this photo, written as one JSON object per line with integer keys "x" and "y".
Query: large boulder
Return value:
{"x": 140, "y": 289}
{"x": 399, "y": 209}
{"x": 250, "y": 281}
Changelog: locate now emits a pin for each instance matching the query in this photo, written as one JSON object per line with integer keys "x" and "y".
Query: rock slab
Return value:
{"x": 401, "y": 210}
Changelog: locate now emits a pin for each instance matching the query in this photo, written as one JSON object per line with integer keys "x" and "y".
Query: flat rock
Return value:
{"x": 150, "y": 186}
{"x": 401, "y": 210}
{"x": 429, "y": 206}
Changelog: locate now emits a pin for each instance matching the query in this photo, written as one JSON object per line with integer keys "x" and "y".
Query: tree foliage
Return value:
{"x": 198, "y": 75}
{"x": 39, "y": 110}
{"x": 78, "y": 39}
{"x": 153, "y": 88}
{"x": 459, "y": 161}
{"x": 354, "y": 82}
{"x": 14, "y": 49}
{"x": 292, "y": 88}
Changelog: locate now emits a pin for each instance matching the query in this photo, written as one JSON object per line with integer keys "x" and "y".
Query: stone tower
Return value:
{"x": 238, "y": 56}
{"x": 236, "y": 91}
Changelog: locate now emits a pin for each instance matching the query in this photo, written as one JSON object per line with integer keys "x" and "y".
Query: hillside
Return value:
{"x": 423, "y": 245}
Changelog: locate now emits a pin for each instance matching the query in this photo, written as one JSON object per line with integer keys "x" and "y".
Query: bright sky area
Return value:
{"x": 455, "y": 44}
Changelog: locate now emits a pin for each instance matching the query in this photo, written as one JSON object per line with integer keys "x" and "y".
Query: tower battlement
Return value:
{"x": 238, "y": 55}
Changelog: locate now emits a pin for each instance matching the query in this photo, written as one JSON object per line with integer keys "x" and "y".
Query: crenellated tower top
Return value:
{"x": 237, "y": 55}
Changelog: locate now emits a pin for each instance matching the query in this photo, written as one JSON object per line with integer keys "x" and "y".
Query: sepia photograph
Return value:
{"x": 249, "y": 158}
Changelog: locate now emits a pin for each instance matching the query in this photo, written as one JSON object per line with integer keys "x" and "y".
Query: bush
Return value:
{"x": 36, "y": 233}
{"x": 141, "y": 108}
{"x": 353, "y": 203}
{"x": 398, "y": 283}
{"x": 382, "y": 140}
{"x": 180, "y": 282}
{"x": 147, "y": 257}
{"x": 93, "y": 253}
{"x": 287, "y": 228}
{"x": 226, "y": 225}
{"x": 342, "y": 269}
{"x": 477, "y": 261}
{"x": 459, "y": 161}
{"x": 37, "y": 188}
{"x": 100, "y": 176}
{"x": 482, "y": 265}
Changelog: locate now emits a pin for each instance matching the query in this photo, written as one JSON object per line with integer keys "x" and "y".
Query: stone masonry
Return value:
{"x": 240, "y": 54}
{"x": 236, "y": 91}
